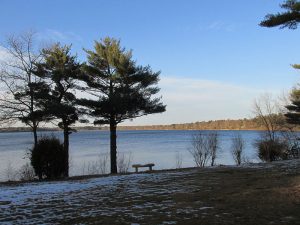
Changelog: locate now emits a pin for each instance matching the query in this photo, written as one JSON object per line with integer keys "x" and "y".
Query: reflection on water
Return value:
{"x": 159, "y": 147}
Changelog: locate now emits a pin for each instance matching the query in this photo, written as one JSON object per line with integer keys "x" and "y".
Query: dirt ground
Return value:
{"x": 255, "y": 194}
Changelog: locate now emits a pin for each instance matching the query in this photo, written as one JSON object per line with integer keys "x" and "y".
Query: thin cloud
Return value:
{"x": 191, "y": 100}
{"x": 51, "y": 35}
{"x": 222, "y": 26}
{"x": 213, "y": 26}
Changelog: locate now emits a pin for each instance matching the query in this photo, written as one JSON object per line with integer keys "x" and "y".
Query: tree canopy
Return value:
{"x": 123, "y": 90}
{"x": 60, "y": 69}
{"x": 293, "y": 114}
{"x": 290, "y": 18}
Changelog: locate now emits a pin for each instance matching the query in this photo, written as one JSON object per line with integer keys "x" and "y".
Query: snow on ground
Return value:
{"x": 19, "y": 194}
{"x": 47, "y": 203}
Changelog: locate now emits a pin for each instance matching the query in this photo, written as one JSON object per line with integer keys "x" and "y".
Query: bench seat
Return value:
{"x": 137, "y": 166}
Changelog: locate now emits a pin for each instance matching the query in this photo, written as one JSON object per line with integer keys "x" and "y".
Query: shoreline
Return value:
{"x": 121, "y": 129}
{"x": 159, "y": 171}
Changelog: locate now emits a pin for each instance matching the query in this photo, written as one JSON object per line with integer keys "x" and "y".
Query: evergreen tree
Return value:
{"x": 61, "y": 70}
{"x": 123, "y": 89}
{"x": 290, "y": 18}
{"x": 293, "y": 114}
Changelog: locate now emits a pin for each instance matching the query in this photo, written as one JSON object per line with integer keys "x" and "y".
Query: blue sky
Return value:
{"x": 213, "y": 56}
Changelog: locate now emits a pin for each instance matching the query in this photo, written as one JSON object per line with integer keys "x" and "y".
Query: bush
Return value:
{"x": 237, "y": 145}
{"x": 124, "y": 162}
{"x": 199, "y": 149}
{"x": 272, "y": 150}
{"x": 98, "y": 166}
{"x": 26, "y": 173}
{"x": 204, "y": 148}
{"x": 213, "y": 146}
{"x": 48, "y": 158}
{"x": 10, "y": 172}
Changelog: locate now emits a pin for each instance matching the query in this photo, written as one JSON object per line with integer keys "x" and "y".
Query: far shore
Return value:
{"x": 229, "y": 124}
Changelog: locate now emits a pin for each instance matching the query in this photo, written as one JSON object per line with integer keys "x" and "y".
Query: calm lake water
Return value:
{"x": 159, "y": 147}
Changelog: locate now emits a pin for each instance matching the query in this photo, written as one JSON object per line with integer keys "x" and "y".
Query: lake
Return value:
{"x": 86, "y": 147}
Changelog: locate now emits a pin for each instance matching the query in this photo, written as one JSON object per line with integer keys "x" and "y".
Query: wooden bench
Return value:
{"x": 137, "y": 166}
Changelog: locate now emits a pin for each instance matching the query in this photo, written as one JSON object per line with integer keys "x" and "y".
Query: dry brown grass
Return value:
{"x": 224, "y": 195}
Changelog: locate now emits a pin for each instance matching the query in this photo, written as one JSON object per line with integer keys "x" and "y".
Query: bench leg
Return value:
{"x": 136, "y": 170}
{"x": 150, "y": 168}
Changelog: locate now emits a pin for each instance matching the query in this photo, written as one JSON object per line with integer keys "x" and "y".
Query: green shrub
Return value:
{"x": 48, "y": 158}
{"x": 271, "y": 150}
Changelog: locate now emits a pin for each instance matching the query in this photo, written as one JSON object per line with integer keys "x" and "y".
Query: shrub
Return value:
{"x": 237, "y": 145}
{"x": 98, "y": 166}
{"x": 10, "y": 172}
{"x": 178, "y": 160}
{"x": 272, "y": 150}
{"x": 26, "y": 173}
{"x": 213, "y": 146}
{"x": 124, "y": 162}
{"x": 48, "y": 158}
{"x": 199, "y": 149}
{"x": 204, "y": 147}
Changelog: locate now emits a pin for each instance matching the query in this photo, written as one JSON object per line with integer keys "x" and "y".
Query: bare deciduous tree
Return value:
{"x": 268, "y": 114}
{"x": 199, "y": 149}
{"x": 204, "y": 148}
{"x": 178, "y": 160}
{"x": 279, "y": 139}
{"x": 237, "y": 146}
{"x": 213, "y": 145}
{"x": 17, "y": 102}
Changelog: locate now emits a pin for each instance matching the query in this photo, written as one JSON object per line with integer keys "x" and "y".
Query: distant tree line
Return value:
{"x": 229, "y": 124}
{"x": 47, "y": 85}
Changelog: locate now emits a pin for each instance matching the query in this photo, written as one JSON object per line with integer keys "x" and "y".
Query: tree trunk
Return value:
{"x": 113, "y": 146}
{"x": 66, "y": 149}
{"x": 34, "y": 127}
{"x": 212, "y": 161}
{"x": 34, "y": 130}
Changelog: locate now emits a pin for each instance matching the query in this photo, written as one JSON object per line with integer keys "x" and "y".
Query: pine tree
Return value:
{"x": 123, "y": 89}
{"x": 61, "y": 70}
{"x": 293, "y": 114}
{"x": 290, "y": 18}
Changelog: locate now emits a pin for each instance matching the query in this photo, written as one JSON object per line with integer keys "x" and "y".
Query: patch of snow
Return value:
{"x": 17, "y": 193}
{"x": 205, "y": 207}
